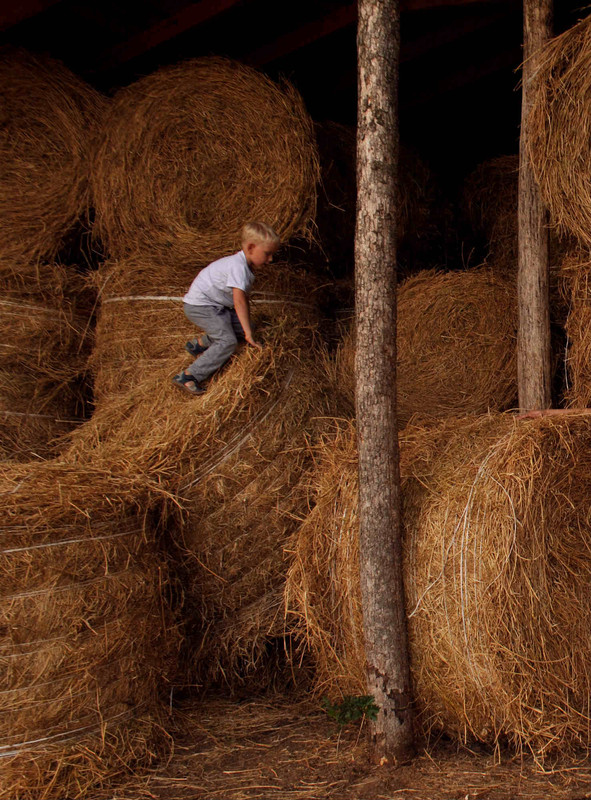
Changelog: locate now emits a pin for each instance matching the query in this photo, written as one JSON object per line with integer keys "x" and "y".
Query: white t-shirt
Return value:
{"x": 213, "y": 286}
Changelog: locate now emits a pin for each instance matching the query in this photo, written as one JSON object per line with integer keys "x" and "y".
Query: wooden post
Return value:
{"x": 533, "y": 345}
{"x": 384, "y": 618}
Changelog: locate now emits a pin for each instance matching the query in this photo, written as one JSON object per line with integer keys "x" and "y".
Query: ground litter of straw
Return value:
{"x": 275, "y": 748}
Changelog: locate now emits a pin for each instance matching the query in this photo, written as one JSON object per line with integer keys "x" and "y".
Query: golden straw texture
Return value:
{"x": 85, "y": 638}
{"x": 456, "y": 340}
{"x": 559, "y": 129}
{"x": 44, "y": 345}
{"x": 497, "y": 573}
{"x": 192, "y": 151}
{"x": 48, "y": 119}
{"x": 576, "y": 274}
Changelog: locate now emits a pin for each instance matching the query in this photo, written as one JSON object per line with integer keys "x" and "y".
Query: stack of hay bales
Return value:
{"x": 183, "y": 161}
{"x": 497, "y": 577}
{"x": 85, "y": 639}
{"x": 48, "y": 122}
{"x": 456, "y": 345}
{"x": 234, "y": 459}
{"x": 560, "y": 154}
{"x": 44, "y": 323}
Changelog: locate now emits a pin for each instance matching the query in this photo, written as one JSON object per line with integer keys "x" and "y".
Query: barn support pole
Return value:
{"x": 533, "y": 342}
{"x": 384, "y": 618}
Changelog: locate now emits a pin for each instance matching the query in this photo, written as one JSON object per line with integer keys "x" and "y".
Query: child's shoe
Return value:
{"x": 195, "y": 348}
{"x": 182, "y": 380}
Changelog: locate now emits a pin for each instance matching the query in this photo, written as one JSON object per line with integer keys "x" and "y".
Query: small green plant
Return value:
{"x": 351, "y": 709}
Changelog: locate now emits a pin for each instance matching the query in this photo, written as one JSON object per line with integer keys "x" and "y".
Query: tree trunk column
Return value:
{"x": 375, "y": 364}
{"x": 533, "y": 347}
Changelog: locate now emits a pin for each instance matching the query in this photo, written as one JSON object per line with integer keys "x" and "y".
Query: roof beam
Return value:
{"x": 13, "y": 13}
{"x": 196, "y": 13}
{"x": 422, "y": 5}
{"x": 307, "y": 34}
{"x": 471, "y": 74}
{"x": 188, "y": 17}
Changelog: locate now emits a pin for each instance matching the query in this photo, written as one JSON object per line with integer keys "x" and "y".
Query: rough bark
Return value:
{"x": 533, "y": 348}
{"x": 382, "y": 593}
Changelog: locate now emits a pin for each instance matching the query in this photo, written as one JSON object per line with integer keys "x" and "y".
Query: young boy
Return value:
{"x": 217, "y": 302}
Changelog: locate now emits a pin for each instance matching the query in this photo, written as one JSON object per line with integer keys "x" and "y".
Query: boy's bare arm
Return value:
{"x": 242, "y": 308}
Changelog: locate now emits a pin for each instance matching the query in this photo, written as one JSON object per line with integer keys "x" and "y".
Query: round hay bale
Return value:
{"x": 48, "y": 119}
{"x": 497, "y": 574}
{"x": 44, "y": 328}
{"x": 190, "y": 149}
{"x": 558, "y": 126}
{"x": 456, "y": 345}
{"x": 86, "y": 641}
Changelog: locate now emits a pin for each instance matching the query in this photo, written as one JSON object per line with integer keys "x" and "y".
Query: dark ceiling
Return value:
{"x": 459, "y": 68}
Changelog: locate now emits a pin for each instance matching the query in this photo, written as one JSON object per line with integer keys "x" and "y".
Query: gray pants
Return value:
{"x": 222, "y": 333}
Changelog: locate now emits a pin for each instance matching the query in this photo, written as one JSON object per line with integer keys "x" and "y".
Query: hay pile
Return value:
{"x": 85, "y": 638}
{"x": 48, "y": 121}
{"x": 233, "y": 461}
{"x": 497, "y": 573}
{"x": 456, "y": 341}
{"x": 48, "y": 118}
{"x": 44, "y": 328}
{"x": 191, "y": 152}
{"x": 558, "y": 143}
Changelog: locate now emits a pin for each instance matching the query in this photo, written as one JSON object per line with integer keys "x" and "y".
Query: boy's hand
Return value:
{"x": 253, "y": 342}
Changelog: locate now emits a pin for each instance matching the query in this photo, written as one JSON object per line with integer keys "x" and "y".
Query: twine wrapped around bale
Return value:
{"x": 558, "y": 126}
{"x": 456, "y": 345}
{"x": 497, "y": 572}
{"x": 48, "y": 119}
{"x": 233, "y": 460}
{"x": 85, "y": 637}
{"x": 44, "y": 327}
{"x": 190, "y": 149}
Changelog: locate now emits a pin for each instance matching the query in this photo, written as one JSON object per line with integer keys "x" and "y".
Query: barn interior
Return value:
{"x": 230, "y": 624}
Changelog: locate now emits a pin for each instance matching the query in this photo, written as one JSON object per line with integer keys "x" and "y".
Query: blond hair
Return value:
{"x": 259, "y": 233}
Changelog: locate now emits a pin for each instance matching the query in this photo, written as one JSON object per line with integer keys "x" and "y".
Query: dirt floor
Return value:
{"x": 275, "y": 749}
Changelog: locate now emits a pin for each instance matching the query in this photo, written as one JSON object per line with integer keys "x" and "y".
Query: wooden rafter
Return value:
{"x": 188, "y": 17}
{"x": 13, "y": 13}
{"x": 196, "y": 13}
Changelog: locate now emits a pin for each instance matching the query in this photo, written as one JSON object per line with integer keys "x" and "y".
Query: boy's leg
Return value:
{"x": 217, "y": 324}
